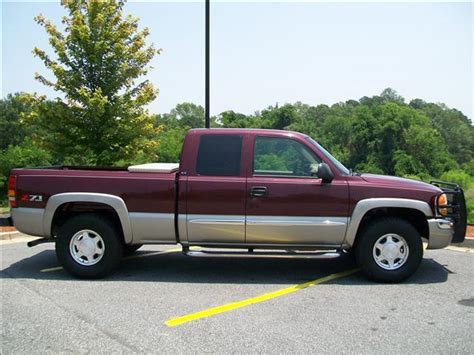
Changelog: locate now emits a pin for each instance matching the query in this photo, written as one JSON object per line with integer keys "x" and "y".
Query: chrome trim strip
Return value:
{"x": 215, "y": 218}
{"x": 364, "y": 206}
{"x": 152, "y": 227}
{"x": 212, "y": 221}
{"x": 291, "y": 223}
{"x": 113, "y": 201}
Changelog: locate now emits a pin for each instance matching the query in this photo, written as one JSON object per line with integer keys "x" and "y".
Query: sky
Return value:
{"x": 266, "y": 53}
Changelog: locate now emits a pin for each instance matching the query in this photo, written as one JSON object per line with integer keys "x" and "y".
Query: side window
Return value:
{"x": 283, "y": 156}
{"x": 219, "y": 155}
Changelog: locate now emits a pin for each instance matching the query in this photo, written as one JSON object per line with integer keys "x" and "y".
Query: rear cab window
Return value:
{"x": 219, "y": 155}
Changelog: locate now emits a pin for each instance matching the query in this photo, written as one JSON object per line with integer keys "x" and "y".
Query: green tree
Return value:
{"x": 455, "y": 128}
{"x": 189, "y": 115}
{"x": 14, "y": 109}
{"x": 99, "y": 58}
{"x": 26, "y": 154}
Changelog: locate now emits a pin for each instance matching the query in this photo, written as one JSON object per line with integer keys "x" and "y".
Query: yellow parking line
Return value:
{"x": 265, "y": 297}
{"x": 127, "y": 258}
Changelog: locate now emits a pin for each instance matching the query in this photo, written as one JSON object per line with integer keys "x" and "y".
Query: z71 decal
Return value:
{"x": 32, "y": 198}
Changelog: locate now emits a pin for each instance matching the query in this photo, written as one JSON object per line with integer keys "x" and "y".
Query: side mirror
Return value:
{"x": 325, "y": 173}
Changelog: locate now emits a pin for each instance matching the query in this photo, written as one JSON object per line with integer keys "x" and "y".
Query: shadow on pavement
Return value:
{"x": 175, "y": 267}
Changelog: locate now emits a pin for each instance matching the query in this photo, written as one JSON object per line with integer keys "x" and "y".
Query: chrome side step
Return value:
{"x": 262, "y": 254}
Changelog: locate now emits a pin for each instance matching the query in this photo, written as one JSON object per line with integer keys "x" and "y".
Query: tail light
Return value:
{"x": 12, "y": 191}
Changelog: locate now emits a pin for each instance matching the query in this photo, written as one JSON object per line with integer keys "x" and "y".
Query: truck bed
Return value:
{"x": 141, "y": 191}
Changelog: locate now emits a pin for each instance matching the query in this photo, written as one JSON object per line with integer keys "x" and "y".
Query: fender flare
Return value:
{"x": 364, "y": 206}
{"x": 113, "y": 201}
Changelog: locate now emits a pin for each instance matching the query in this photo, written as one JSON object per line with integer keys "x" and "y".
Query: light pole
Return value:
{"x": 207, "y": 81}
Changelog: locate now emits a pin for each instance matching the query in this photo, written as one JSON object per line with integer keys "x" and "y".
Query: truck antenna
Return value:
{"x": 207, "y": 81}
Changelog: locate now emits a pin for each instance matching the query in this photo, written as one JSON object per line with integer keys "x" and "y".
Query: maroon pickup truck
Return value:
{"x": 251, "y": 192}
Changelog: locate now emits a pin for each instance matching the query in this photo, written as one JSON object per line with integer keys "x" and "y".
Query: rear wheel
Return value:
{"x": 89, "y": 246}
{"x": 389, "y": 250}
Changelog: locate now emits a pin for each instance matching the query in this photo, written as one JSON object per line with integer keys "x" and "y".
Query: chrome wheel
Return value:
{"x": 390, "y": 251}
{"x": 87, "y": 247}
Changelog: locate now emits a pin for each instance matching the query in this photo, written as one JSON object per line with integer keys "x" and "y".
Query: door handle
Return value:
{"x": 259, "y": 191}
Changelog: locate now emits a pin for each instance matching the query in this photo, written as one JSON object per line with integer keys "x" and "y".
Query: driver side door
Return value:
{"x": 286, "y": 203}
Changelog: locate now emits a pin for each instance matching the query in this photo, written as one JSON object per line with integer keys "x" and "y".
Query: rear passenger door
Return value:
{"x": 216, "y": 191}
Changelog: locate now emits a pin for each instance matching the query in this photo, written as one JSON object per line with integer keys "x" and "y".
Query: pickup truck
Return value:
{"x": 237, "y": 192}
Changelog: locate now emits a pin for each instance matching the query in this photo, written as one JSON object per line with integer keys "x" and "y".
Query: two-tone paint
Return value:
{"x": 186, "y": 207}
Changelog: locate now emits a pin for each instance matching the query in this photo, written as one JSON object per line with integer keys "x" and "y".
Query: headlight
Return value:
{"x": 442, "y": 201}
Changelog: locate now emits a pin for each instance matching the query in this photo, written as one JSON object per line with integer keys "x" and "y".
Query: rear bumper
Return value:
{"x": 441, "y": 233}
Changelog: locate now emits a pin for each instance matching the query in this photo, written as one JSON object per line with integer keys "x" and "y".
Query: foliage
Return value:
{"x": 469, "y": 194}
{"x": 24, "y": 155}
{"x": 457, "y": 176}
{"x": 98, "y": 58}
{"x": 469, "y": 167}
{"x": 13, "y": 110}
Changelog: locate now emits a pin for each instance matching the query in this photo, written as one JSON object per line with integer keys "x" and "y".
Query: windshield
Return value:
{"x": 328, "y": 155}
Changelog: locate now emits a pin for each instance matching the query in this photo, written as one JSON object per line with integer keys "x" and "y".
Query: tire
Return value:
{"x": 89, "y": 246}
{"x": 130, "y": 249}
{"x": 389, "y": 250}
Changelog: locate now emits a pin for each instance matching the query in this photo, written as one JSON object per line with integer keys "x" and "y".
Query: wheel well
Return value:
{"x": 71, "y": 209}
{"x": 413, "y": 216}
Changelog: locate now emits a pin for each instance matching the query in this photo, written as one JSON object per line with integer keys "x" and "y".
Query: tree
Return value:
{"x": 189, "y": 115}
{"x": 25, "y": 155}
{"x": 99, "y": 57}
{"x": 13, "y": 111}
{"x": 455, "y": 128}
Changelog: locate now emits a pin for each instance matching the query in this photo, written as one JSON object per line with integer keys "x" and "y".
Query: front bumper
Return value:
{"x": 441, "y": 233}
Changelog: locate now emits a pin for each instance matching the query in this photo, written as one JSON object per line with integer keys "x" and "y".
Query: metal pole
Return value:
{"x": 207, "y": 84}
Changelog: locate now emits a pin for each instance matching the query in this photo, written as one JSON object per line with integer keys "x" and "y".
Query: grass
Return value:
{"x": 469, "y": 195}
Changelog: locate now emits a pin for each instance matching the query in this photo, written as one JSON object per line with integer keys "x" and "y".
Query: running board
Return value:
{"x": 253, "y": 254}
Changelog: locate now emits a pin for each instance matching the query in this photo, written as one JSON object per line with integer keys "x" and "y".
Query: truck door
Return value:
{"x": 216, "y": 191}
{"x": 287, "y": 204}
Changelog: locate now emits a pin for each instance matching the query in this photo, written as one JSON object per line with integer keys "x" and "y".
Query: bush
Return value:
{"x": 469, "y": 195}
{"x": 469, "y": 167}
{"x": 457, "y": 176}
{"x": 24, "y": 155}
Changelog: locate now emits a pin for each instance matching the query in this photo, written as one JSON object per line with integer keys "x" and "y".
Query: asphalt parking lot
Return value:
{"x": 244, "y": 305}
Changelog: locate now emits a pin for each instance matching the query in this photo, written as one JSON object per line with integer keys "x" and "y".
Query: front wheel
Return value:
{"x": 389, "y": 250}
{"x": 89, "y": 246}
